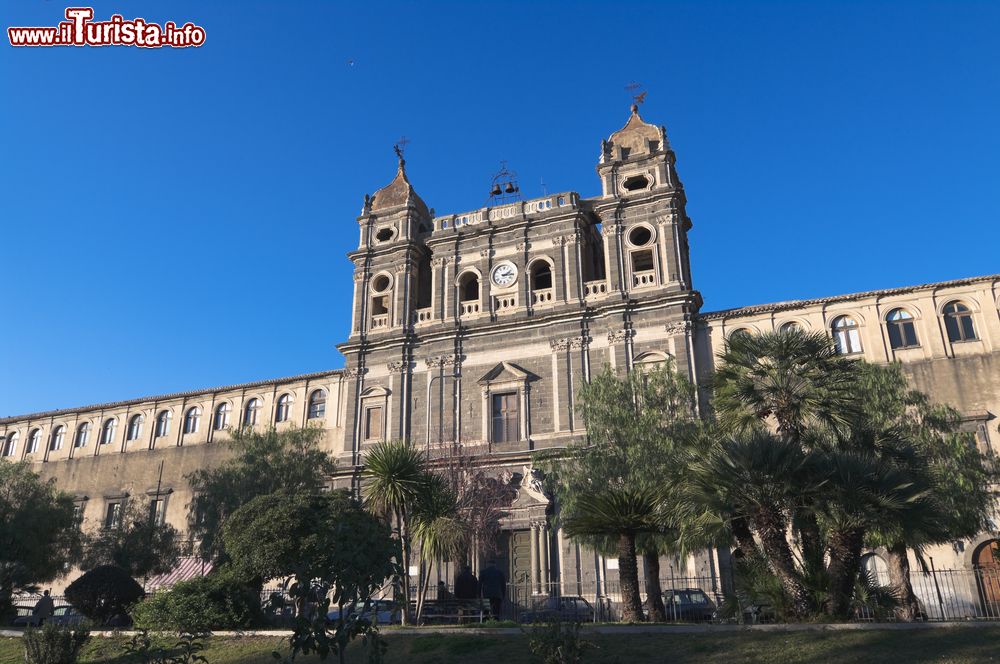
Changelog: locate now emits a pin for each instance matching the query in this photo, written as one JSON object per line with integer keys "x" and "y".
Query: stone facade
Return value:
{"x": 477, "y": 330}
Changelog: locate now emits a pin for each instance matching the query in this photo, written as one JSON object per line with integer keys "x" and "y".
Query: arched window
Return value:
{"x": 163, "y": 423}
{"x": 250, "y": 411}
{"x": 875, "y": 567}
{"x": 108, "y": 431}
{"x": 56, "y": 442}
{"x": 739, "y": 332}
{"x": 846, "y": 335}
{"x": 468, "y": 287}
{"x": 958, "y": 322}
{"x": 317, "y": 405}
{"x": 135, "y": 427}
{"x": 192, "y": 419}
{"x": 82, "y": 435}
{"x": 10, "y": 445}
{"x": 284, "y": 409}
{"x": 790, "y": 327}
{"x": 541, "y": 275}
{"x": 381, "y": 296}
{"x": 222, "y": 415}
{"x": 902, "y": 333}
{"x": 34, "y": 438}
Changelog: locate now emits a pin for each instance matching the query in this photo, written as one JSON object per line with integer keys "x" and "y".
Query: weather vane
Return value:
{"x": 400, "y": 146}
{"x": 637, "y": 97}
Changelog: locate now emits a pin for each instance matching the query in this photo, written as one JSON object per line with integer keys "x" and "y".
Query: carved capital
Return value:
{"x": 678, "y": 327}
{"x": 579, "y": 342}
{"x": 397, "y": 367}
{"x": 609, "y": 230}
{"x": 559, "y": 344}
{"x": 619, "y": 336}
{"x": 521, "y": 246}
{"x": 359, "y": 277}
{"x": 355, "y": 372}
{"x": 438, "y": 262}
{"x": 485, "y": 253}
{"x": 442, "y": 361}
{"x": 559, "y": 240}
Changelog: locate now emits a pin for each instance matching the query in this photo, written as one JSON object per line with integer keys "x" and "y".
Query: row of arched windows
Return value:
{"x": 316, "y": 409}
{"x": 900, "y": 328}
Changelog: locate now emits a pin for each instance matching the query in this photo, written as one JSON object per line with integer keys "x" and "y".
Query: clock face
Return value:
{"x": 504, "y": 274}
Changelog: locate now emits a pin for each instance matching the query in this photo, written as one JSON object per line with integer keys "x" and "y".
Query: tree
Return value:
{"x": 39, "y": 530}
{"x": 759, "y": 478}
{"x": 138, "y": 543}
{"x": 638, "y": 426}
{"x": 439, "y": 530}
{"x": 332, "y": 547}
{"x": 263, "y": 462}
{"x": 621, "y": 513}
{"x": 103, "y": 593}
{"x": 792, "y": 380}
{"x": 395, "y": 476}
{"x": 928, "y": 444}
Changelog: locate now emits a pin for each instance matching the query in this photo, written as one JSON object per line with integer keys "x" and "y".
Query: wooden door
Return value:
{"x": 987, "y": 564}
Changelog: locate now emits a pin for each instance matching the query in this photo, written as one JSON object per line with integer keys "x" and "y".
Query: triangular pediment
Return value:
{"x": 506, "y": 372}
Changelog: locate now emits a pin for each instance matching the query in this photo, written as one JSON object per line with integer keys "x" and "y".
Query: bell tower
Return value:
{"x": 642, "y": 209}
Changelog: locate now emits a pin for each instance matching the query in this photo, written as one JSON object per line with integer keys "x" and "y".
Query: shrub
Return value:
{"x": 213, "y": 602}
{"x": 103, "y": 593}
{"x": 557, "y": 642}
{"x": 54, "y": 644}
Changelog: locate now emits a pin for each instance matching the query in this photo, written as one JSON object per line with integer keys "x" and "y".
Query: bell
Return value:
{"x": 496, "y": 190}
{"x": 510, "y": 188}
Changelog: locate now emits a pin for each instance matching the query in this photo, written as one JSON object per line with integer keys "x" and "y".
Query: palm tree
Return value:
{"x": 790, "y": 379}
{"x": 622, "y": 513}
{"x": 758, "y": 479}
{"x": 439, "y": 530}
{"x": 394, "y": 477}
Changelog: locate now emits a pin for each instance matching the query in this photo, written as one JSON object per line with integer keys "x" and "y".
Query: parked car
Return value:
{"x": 66, "y": 615}
{"x": 382, "y": 611}
{"x": 25, "y": 616}
{"x": 689, "y": 605}
{"x": 567, "y": 609}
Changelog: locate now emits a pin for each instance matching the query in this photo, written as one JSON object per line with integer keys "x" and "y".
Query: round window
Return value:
{"x": 380, "y": 283}
{"x": 384, "y": 234}
{"x": 640, "y": 236}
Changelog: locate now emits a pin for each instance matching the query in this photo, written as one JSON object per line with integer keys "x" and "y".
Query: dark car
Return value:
{"x": 565, "y": 609}
{"x": 66, "y": 616}
{"x": 689, "y": 605}
{"x": 25, "y": 616}
{"x": 382, "y": 611}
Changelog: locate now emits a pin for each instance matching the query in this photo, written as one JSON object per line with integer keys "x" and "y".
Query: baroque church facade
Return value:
{"x": 478, "y": 329}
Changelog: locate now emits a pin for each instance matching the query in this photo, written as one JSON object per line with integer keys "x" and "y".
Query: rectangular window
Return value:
{"x": 505, "y": 418}
{"x": 113, "y": 517}
{"x": 373, "y": 423}
{"x": 157, "y": 510}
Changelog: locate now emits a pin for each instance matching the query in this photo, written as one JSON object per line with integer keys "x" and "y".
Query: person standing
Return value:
{"x": 466, "y": 584}
{"x": 494, "y": 586}
{"x": 43, "y": 609}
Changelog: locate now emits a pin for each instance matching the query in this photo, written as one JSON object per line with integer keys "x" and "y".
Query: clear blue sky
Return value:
{"x": 178, "y": 219}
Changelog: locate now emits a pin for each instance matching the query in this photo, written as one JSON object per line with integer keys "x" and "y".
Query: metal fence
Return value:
{"x": 943, "y": 595}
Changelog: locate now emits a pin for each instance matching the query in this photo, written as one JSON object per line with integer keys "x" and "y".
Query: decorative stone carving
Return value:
{"x": 442, "y": 361}
{"x": 619, "y": 336}
{"x": 398, "y": 367}
{"x": 521, "y": 246}
{"x": 559, "y": 344}
{"x": 579, "y": 342}
{"x": 485, "y": 253}
{"x": 609, "y": 230}
{"x": 559, "y": 240}
{"x": 678, "y": 327}
{"x": 438, "y": 262}
{"x": 356, "y": 372}
{"x": 359, "y": 277}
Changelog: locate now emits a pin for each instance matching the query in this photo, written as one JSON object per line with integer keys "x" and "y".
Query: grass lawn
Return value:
{"x": 956, "y": 645}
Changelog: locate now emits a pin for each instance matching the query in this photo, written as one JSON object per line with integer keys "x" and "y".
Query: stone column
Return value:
{"x": 438, "y": 281}
{"x": 534, "y": 559}
{"x": 560, "y": 279}
{"x": 612, "y": 258}
{"x": 543, "y": 554}
{"x": 573, "y": 271}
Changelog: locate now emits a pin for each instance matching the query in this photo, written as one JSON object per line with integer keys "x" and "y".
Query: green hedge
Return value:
{"x": 213, "y": 602}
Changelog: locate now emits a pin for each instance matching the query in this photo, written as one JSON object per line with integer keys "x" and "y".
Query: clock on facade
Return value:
{"x": 504, "y": 274}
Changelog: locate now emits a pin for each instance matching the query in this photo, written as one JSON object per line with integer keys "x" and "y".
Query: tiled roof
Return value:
{"x": 798, "y": 304}
{"x": 167, "y": 397}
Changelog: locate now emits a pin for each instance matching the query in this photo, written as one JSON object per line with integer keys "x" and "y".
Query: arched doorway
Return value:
{"x": 986, "y": 562}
